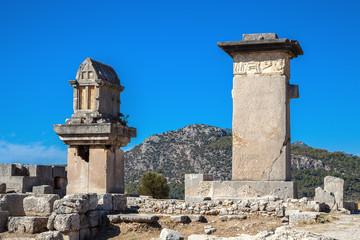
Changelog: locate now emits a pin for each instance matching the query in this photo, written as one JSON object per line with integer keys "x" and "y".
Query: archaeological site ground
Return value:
{"x": 87, "y": 198}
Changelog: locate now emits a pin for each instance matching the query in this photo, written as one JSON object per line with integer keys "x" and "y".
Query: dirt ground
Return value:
{"x": 339, "y": 226}
{"x": 137, "y": 231}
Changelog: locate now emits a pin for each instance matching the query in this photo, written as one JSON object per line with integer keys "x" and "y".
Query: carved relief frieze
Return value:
{"x": 265, "y": 64}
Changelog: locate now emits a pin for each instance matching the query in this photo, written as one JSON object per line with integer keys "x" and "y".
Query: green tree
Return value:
{"x": 153, "y": 184}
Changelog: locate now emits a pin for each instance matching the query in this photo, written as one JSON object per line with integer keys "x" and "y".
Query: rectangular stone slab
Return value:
{"x": 235, "y": 190}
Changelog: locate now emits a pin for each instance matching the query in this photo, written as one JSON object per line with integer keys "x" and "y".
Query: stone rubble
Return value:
{"x": 77, "y": 216}
{"x": 271, "y": 206}
{"x": 280, "y": 233}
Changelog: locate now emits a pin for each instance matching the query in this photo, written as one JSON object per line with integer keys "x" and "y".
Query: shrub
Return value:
{"x": 153, "y": 184}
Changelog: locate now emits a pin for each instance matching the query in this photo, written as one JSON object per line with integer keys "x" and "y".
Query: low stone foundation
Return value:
{"x": 200, "y": 186}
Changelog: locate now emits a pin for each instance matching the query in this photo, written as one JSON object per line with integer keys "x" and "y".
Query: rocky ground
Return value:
{"x": 230, "y": 228}
{"x": 336, "y": 226}
{"x": 341, "y": 226}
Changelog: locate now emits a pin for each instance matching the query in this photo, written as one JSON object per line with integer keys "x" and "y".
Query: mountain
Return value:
{"x": 206, "y": 149}
{"x": 301, "y": 144}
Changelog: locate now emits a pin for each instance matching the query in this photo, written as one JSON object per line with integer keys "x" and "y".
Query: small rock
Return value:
{"x": 209, "y": 229}
{"x": 168, "y": 234}
{"x": 180, "y": 219}
{"x": 237, "y": 217}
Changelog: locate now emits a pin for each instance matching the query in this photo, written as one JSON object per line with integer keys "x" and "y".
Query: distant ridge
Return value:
{"x": 206, "y": 149}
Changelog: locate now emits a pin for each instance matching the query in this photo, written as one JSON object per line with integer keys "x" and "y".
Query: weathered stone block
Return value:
{"x": 3, "y": 220}
{"x": 168, "y": 234}
{"x": 180, "y": 219}
{"x": 222, "y": 190}
{"x": 67, "y": 222}
{"x": 105, "y": 202}
{"x": 140, "y": 218}
{"x": 7, "y": 170}
{"x": 13, "y": 203}
{"x": 197, "y": 218}
{"x": 303, "y": 217}
{"x": 335, "y": 186}
{"x": 27, "y": 224}
{"x": 43, "y": 189}
{"x": 39, "y": 205}
{"x": 324, "y": 196}
{"x": 91, "y": 197}
{"x": 71, "y": 205}
{"x": 192, "y": 182}
{"x": 50, "y": 235}
{"x": 119, "y": 202}
{"x": 316, "y": 206}
{"x": 208, "y": 229}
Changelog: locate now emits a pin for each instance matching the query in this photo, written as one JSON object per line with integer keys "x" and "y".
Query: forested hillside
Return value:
{"x": 205, "y": 149}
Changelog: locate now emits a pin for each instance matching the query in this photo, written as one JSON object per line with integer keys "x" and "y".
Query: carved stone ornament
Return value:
{"x": 264, "y": 64}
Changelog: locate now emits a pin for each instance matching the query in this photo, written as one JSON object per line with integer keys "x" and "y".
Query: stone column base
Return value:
{"x": 99, "y": 169}
{"x": 199, "y": 187}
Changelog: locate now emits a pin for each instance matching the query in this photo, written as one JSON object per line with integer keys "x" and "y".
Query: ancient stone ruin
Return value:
{"x": 95, "y": 132}
{"x": 333, "y": 195}
{"x": 261, "y": 121}
{"x": 21, "y": 178}
{"x": 32, "y": 201}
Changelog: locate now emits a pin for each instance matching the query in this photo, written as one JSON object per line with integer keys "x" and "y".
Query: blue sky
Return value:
{"x": 166, "y": 55}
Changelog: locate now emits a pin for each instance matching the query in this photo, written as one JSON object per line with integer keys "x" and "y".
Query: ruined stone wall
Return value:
{"x": 78, "y": 216}
{"x": 22, "y": 178}
{"x": 267, "y": 205}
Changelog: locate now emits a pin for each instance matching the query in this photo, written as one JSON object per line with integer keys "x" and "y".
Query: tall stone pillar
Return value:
{"x": 261, "y": 106}
{"x": 95, "y": 132}
{"x": 261, "y": 122}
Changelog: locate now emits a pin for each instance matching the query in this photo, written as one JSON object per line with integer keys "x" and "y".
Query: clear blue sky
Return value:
{"x": 174, "y": 74}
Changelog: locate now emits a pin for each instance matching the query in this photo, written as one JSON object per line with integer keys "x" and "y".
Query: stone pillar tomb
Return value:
{"x": 95, "y": 133}
{"x": 261, "y": 120}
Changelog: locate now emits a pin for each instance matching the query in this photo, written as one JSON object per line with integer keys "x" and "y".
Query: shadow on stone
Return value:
{"x": 108, "y": 232}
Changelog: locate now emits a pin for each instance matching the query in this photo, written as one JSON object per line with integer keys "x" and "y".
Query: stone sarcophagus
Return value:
{"x": 95, "y": 132}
